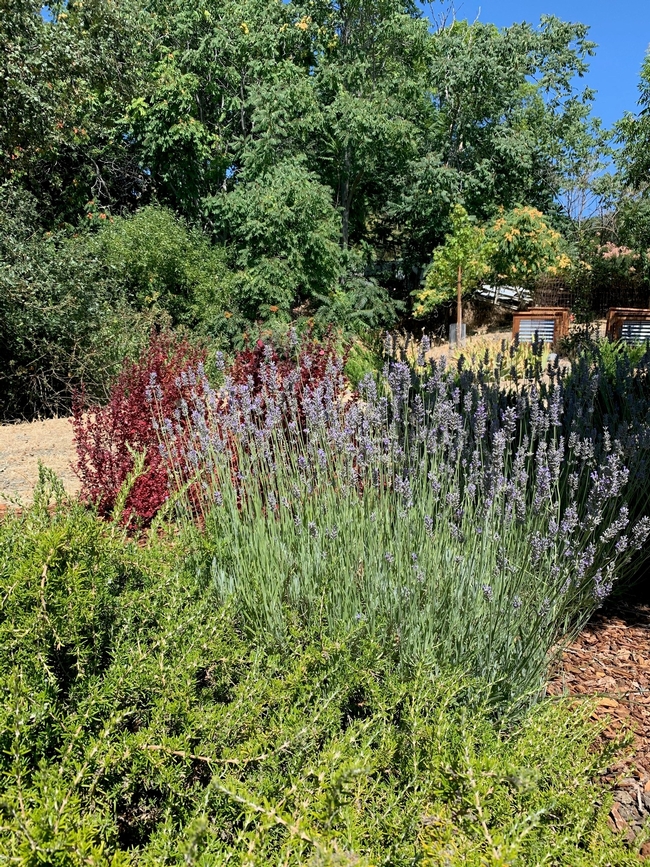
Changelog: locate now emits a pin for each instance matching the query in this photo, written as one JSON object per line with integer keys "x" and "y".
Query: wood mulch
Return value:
{"x": 610, "y": 661}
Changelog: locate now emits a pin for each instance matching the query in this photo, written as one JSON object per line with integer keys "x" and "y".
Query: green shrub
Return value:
{"x": 361, "y": 360}
{"x": 180, "y": 741}
{"x": 60, "y": 577}
{"x": 65, "y": 320}
{"x": 163, "y": 262}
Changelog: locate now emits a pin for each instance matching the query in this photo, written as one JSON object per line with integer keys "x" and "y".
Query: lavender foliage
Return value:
{"x": 473, "y": 515}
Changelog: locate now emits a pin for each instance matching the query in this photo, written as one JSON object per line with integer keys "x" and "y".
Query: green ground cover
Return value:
{"x": 141, "y": 725}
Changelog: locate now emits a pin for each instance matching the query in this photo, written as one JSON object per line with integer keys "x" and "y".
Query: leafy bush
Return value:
{"x": 108, "y": 437}
{"x": 617, "y": 362}
{"x": 358, "y": 304}
{"x": 160, "y": 261}
{"x": 361, "y": 360}
{"x": 179, "y": 741}
{"x": 65, "y": 321}
{"x": 60, "y": 582}
{"x": 297, "y": 365}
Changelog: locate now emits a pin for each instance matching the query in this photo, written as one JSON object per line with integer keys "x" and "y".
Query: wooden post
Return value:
{"x": 459, "y": 305}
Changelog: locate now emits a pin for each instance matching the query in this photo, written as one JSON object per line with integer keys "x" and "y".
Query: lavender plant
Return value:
{"x": 465, "y": 516}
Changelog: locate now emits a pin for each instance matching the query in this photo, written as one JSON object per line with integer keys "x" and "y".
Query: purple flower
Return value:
{"x": 640, "y": 532}
{"x": 602, "y": 587}
{"x": 480, "y": 421}
{"x": 570, "y": 521}
{"x": 555, "y": 406}
{"x": 621, "y": 545}
{"x": 537, "y": 546}
{"x": 543, "y": 486}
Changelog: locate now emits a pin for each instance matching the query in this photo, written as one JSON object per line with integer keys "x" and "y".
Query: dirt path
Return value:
{"x": 21, "y": 448}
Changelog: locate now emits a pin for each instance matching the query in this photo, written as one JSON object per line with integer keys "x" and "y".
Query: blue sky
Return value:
{"x": 621, "y": 29}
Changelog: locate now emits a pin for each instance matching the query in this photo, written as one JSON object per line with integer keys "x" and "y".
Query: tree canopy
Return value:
{"x": 314, "y": 151}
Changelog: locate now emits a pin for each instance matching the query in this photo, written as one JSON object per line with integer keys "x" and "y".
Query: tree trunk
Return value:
{"x": 459, "y": 305}
{"x": 345, "y": 200}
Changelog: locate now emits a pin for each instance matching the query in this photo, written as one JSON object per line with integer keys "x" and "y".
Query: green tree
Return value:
{"x": 282, "y": 233}
{"x": 505, "y": 110}
{"x": 457, "y": 265}
{"x": 321, "y": 142}
{"x": 373, "y": 103}
{"x": 632, "y": 206}
{"x": 65, "y": 85}
{"x": 397, "y": 121}
{"x": 198, "y": 110}
{"x": 633, "y": 134}
{"x": 523, "y": 246}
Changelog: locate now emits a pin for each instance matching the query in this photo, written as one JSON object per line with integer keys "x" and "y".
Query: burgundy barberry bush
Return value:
{"x": 103, "y": 434}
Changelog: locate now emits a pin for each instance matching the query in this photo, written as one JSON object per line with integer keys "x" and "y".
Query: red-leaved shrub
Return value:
{"x": 151, "y": 387}
{"x": 103, "y": 434}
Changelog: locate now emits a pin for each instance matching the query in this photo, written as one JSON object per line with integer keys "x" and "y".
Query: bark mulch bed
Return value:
{"x": 610, "y": 661}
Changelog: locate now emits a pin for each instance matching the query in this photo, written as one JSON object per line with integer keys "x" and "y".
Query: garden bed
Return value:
{"x": 359, "y": 596}
{"x": 609, "y": 661}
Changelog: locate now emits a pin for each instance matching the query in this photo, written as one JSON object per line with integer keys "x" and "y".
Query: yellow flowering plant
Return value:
{"x": 514, "y": 249}
{"x": 524, "y": 245}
